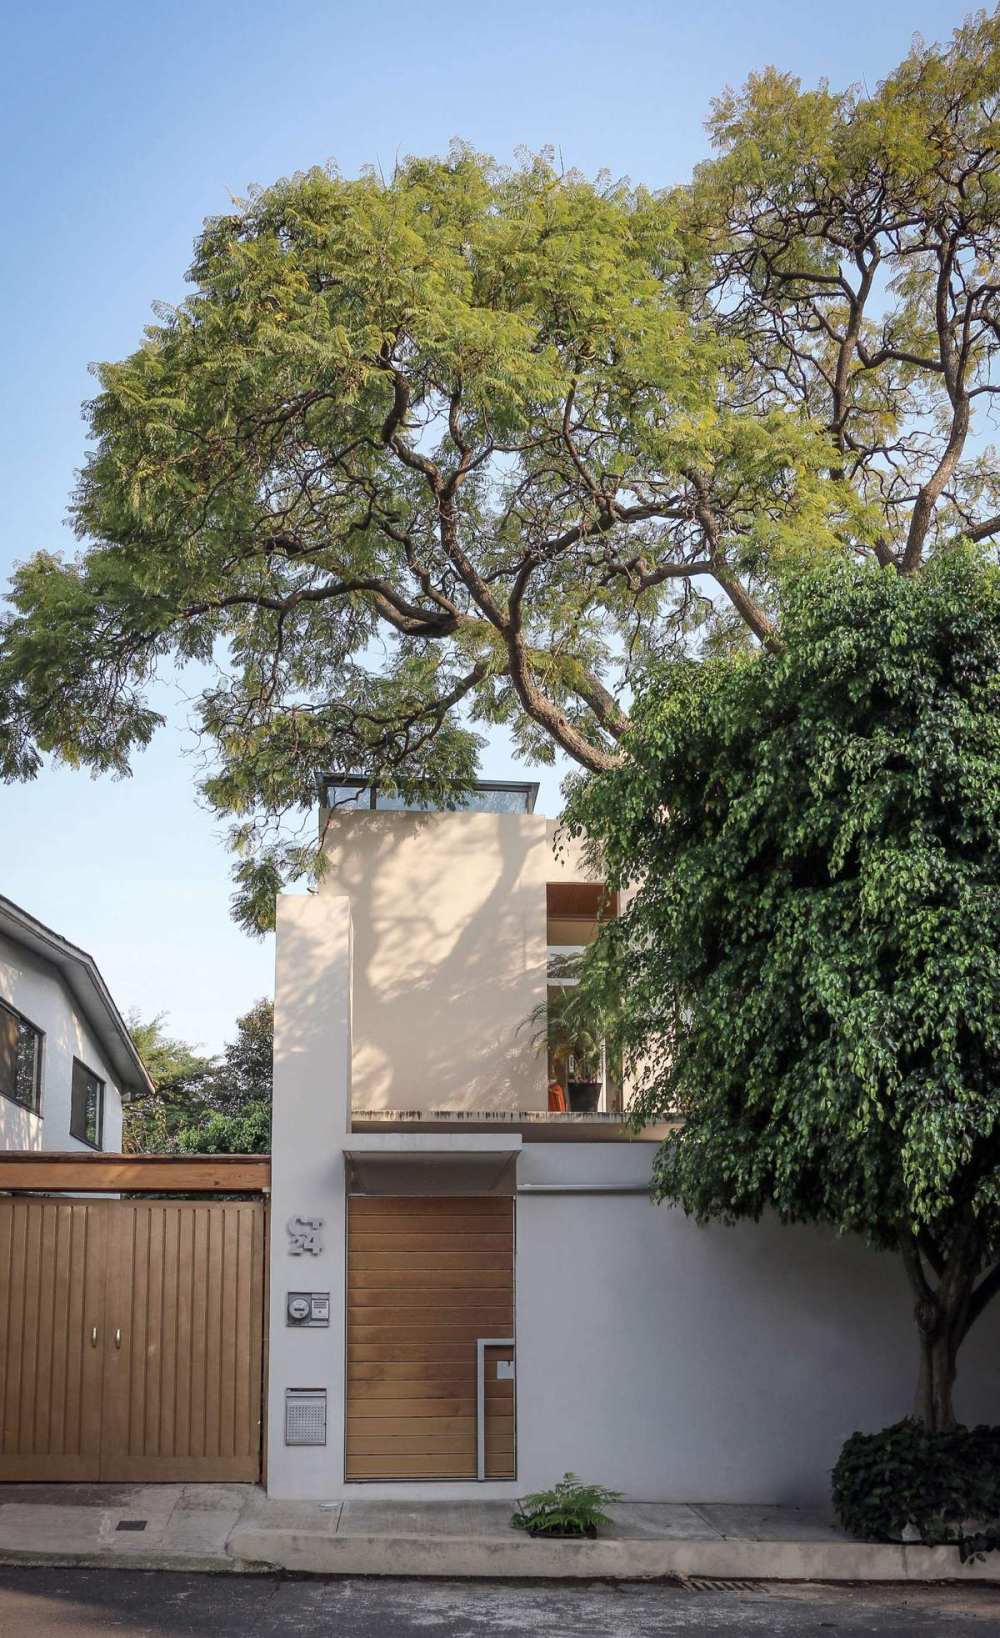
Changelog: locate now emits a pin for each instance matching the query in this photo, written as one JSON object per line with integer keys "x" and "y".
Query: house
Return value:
{"x": 444, "y": 1284}
{"x": 66, "y": 1057}
{"x": 472, "y": 1292}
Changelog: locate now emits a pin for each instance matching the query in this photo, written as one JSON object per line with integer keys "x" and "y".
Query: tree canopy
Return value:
{"x": 475, "y": 445}
{"x": 809, "y": 969}
{"x": 209, "y": 1105}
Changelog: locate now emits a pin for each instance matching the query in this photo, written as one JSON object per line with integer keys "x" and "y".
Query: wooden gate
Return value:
{"x": 428, "y": 1281}
{"x": 130, "y": 1339}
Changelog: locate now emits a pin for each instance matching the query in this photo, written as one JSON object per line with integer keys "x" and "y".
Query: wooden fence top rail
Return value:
{"x": 99, "y": 1173}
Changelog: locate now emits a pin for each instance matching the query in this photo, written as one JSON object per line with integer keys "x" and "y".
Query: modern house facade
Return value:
{"x": 470, "y": 1289}
{"x": 66, "y": 1057}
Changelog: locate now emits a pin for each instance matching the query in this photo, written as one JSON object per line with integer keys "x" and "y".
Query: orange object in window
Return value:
{"x": 557, "y": 1099}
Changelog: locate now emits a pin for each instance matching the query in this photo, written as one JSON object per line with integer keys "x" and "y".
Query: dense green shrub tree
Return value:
{"x": 809, "y": 968}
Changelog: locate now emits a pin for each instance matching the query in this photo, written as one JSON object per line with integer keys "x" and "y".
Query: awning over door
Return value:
{"x": 401, "y": 1163}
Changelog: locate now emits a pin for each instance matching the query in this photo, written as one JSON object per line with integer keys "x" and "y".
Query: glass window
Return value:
{"x": 348, "y": 794}
{"x": 86, "y": 1120}
{"x": 20, "y": 1059}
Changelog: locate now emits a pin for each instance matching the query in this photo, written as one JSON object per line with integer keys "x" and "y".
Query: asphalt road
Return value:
{"x": 46, "y": 1603}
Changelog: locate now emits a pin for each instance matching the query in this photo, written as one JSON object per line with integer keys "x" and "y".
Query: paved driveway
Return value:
{"x": 52, "y": 1603}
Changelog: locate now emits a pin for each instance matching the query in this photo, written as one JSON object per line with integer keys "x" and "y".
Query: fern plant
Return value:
{"x": 568, "y": 1509}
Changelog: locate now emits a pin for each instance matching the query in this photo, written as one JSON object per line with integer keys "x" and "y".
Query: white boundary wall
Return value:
{"x": 671, "y": 1362}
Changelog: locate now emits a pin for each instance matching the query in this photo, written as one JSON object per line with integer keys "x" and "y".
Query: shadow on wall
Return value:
{"x": 302, "y": 1010}
{"x": 449, "y": 924}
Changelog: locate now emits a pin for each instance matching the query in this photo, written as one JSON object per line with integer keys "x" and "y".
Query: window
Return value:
{"x": 488, "y": 796}
{"x": 86, "y": 1120}
{"x": 20, "y": 1059}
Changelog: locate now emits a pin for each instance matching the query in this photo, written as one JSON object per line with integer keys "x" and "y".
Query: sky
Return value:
{"x": 124, "y": 125}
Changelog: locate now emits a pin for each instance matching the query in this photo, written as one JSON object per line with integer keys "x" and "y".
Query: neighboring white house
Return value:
{"x": 470, "y": 1290}
{"x": 66, "y": 1057}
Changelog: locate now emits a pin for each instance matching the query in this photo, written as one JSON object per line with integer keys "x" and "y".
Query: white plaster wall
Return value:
{"x": 449, "y": 947}
{"x": 312, "y": 1048}
{"x": 35, "y": 989}
{"x": 715, "y": 1364}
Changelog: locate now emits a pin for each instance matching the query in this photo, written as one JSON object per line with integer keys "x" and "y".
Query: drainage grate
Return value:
{"x": 715, "y": 1583}
{"x": 131, "y": 1524}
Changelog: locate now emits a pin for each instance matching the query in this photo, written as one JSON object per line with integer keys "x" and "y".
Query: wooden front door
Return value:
{"x": 428, "y": 1278}
{"x": 133, "y": 1340}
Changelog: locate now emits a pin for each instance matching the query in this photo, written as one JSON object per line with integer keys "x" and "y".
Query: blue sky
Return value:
{"x": 123, "y": 126}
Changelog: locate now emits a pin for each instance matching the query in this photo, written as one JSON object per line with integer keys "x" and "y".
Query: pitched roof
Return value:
{"x": 81, "y": 975}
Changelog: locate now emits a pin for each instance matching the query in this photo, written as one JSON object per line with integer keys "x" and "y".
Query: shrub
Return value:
{"x": 933, "y": 1482}
{"x": 568, "y": 1509}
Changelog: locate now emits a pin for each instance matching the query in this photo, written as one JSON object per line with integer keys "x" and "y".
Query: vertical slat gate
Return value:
{"x": 130, "y": 1339}
{"x": 427, "y": 1277}
{"x": 53, "y": 1261}
{"x": 183, "y": 1391}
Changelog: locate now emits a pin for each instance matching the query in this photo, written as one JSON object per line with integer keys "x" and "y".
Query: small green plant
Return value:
{"x": 568, "y": 1509}
{"x": 576, "y": 1022}
{"x": 908, "y": 1477}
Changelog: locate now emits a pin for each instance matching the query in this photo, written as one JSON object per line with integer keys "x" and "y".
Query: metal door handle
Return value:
{"x": 93, "y": 1336}
{"x": 118, "y": 1336}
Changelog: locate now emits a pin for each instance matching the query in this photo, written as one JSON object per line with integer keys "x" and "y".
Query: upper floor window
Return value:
{"x": 20, "y": 1059}
{"x": 86, "y": 1120}
{"x": 353, "y": 792}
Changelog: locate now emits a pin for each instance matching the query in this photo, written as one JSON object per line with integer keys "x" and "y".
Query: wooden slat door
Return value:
{"x": 53, "y": 1263}
{"x": 427, "y": 1277}
{"x": 182, "y": 1365}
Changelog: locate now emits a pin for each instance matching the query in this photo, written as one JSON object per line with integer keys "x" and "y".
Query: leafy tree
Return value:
{"x": 245, "y": 1075}
{"x": 411, "y": 449}
{"x": 809, "y": 971}
{"x": 207, "y": 1105}
{"x": 247, "y": 1132}
{"x": 180, "y": 1076}
{"x": 475, "y": 445}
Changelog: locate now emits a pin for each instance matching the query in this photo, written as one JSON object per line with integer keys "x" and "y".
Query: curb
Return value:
{"x": 611, "y": 1559}
{"x": 152, "y": 1559}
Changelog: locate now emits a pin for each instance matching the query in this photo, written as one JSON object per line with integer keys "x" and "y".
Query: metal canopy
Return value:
{"x": 421, "y": 1165}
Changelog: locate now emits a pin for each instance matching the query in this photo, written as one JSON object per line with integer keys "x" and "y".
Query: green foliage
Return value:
{"x": 246, "y": 1074}
{"x": 568, "y": 1509}
{"x": 810, "y": 967}
{"x": 248, "y": 1132}
{"x": 575, "y": 1022}
{"x": 150, "y": 1124}
{"x": 935, "y": 1483}
{"x": 204, "y": 1105}
{"x": 473, "y": 445}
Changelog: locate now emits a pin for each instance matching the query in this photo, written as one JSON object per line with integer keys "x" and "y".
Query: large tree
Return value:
{"x": 211, "y": 1105}
{"x": 809, "y": 966}
{"x": 473, "y": 445}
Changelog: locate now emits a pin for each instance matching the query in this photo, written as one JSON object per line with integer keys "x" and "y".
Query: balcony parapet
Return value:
{"x": 533, "y": 1125}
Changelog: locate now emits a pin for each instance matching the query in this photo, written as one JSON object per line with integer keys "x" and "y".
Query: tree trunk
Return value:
{"x": 936, "y": 1381}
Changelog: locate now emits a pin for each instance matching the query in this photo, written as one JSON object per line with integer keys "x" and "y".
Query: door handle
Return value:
{"x": 93, "y": 1336}
{"x": 118, "y": 1336}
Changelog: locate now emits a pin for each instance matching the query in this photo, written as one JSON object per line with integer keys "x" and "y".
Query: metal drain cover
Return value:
{"x": 131, "y": 1524}
{"x": 714, "y": 1583}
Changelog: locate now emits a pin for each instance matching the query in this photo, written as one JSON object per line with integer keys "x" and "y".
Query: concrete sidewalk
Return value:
{"x": 238, "y": 1528}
